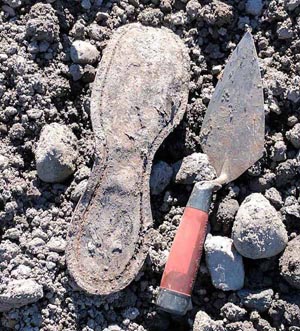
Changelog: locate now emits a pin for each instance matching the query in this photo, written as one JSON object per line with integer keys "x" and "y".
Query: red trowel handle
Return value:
{"x": 184, "y": 258}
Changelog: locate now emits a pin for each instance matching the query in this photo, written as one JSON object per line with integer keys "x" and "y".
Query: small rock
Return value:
{"x": 224, "y": 263}
{"x": 192, "y": 8}
{"x": 217, "y": 13}
{"x": 216, "y": 70}
{"x": 203, "y": 322}
{"x": 35, "y": 245}
{"x": 178, "y": 18}
{"x": 89, "y": 73}
{"x": 254, "y": 7}
{"x": 16, "y": 132}
{"x": 57, "y": 244}
{"x": 78, "y": 191}
{"x": 256, "y": 300}
{"x": 290, "y": 263}
{"x": 76, "y": 71}
{"x": 34, "y": 114}
{"x": 278, "y": 151}
{"x": 22, "y": 271}
{"x": 18, "y": 293}
{"x": 259, "y": 323}
{"x": 131, "y": 313}
{"x": 240, "y": 326}
{"x": 160, "y": 177}
{"x": 233, "y": 312}
{"x": 274, "y": 197}
{"x": 86, "y": 4}
{"x": 284, "y": 30}
{"x": 226, "y": 211}
{"x": 83, "y": 52}
{"x": 293, "y": 135}
{"x": 151, "y": 16}
{"x": 193, "y": 168}
{"x": 8, "y": 250}
{"x": 4, "y": 162}
{"x": 258, "y": 231}
{"x": 286, "y": 172}
{"x": 292, "y": 4}
{"x": 56, "y": 153}
{"x": 42, "y": 23}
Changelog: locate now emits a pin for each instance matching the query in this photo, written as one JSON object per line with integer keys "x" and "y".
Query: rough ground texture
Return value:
{"x": 40, "y": 84}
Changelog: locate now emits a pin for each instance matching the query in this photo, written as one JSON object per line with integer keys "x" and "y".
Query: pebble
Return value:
{"x": 227, "y": 210}
{"x": 131, "y": 313}
{"x": 278, "y": 151}
{"x": 35, "y": 245}
{"x": 290, "y": 264}
{"x": 193, "y": 168}
{"x": 293, "y": 135}
{"x": 192, "y": 8}
{"x": 240, "y": 326}
{"x": 86, "y": 4}
{"x": 83, "y": 52}
{"x": 18, "y": 293}
{"x": 203, "y": 322}
{"x": 56, "y": 153}
{"x": 224, "y": 263}
{"x": 254, "y": 7}
{"x": 4, "y": 162}
{"x": 22, "y": 271}
{"x": 260, "y": 300}
{"x": 232, "y": 312}
{"x": 216, "y": 70}
{"x": 273, "y": 195}
{"x": 42, "y": 23}
{"x": 76, "y": 71}
{"x": 78, "y": 191}
{"x": 160, "y": 177}
{"x": 57, "y": 244}
{"x": 284, "y": 30}
{"x": 258, "y": 231}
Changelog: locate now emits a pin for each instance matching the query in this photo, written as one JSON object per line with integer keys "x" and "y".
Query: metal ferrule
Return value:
{"x": 173, "y": 302}
{"x": 201, "y": 195}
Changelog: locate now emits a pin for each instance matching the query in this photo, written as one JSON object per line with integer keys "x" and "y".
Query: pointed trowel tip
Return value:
{"x": 248, "y": 35}
{"x": 247, "y": 42}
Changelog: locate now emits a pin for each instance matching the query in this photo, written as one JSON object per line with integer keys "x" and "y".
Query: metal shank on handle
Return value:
{"x": 185, "y": 254}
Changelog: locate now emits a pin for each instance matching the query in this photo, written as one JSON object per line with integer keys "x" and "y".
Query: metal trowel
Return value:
{"x": 232, "y": 136}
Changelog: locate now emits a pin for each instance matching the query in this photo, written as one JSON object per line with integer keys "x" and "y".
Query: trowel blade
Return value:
{"x": 232, "y": 133}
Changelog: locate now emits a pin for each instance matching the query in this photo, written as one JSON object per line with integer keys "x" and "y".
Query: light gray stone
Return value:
{"x": 233, "y": 312}
{"x": 18, "y": 293}
{"x": 258, "y": 231}
{"x": 260, "y": 300}
{"x": 160, "y": 177}
{"x": 289, "y": 263}
{"x": 57, "y": 244}
{"x": 83, "y": 52}
{"x": 78, "y": 190}
{"x": 274, "y": 196}
{"x": 193, "y": 168}
{"x": 203, "y": 322}
{"x": 56, "y": 153}
{"x": 224, "y": 263}
{"x": 293, "y": 135}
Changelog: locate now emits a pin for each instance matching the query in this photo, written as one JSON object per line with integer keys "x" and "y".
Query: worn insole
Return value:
{"x": 139, "y": 95}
